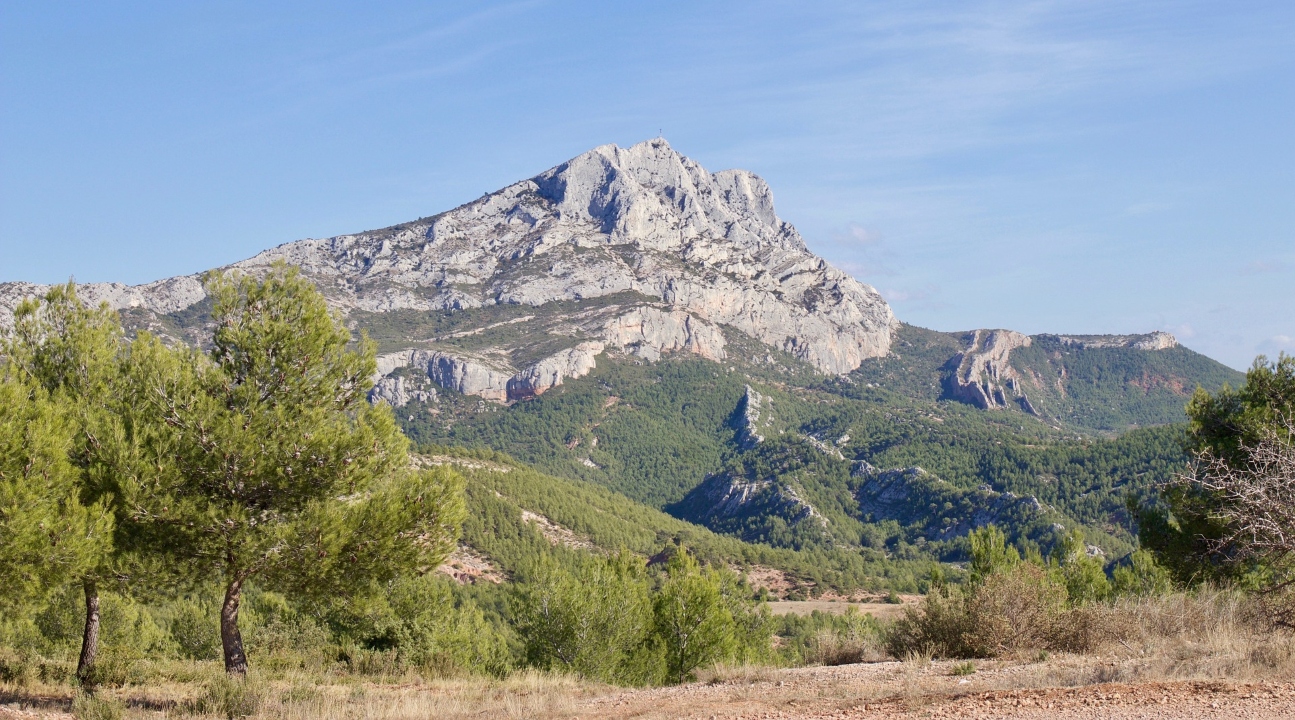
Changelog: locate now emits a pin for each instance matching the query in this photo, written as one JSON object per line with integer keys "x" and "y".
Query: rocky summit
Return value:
{"x": 635, "y": 250}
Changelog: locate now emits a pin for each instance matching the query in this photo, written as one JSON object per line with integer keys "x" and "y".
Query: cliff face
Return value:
{"x": 999, "y": 369}
{"x": 691, "y": 251}
{"x": 984, "y": 376}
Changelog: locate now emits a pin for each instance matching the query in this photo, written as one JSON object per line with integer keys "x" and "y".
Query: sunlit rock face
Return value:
{"x": 682, "y": 250}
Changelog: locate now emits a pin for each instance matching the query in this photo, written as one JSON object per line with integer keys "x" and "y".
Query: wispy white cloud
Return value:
{"x": 862, "y": 252}
{"x": 926, "y": 79}
{"x": 1265, "y": 267}
{"x": 1276, "y": 345}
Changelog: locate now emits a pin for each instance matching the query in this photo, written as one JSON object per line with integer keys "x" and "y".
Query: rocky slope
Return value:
{"x": 647, "y": 252}
{"x": 984, "y": 376}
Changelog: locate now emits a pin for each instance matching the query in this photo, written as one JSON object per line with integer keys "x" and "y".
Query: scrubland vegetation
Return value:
{"x": 237, "y": 532}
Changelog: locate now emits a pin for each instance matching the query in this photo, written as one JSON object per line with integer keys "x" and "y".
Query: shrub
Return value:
{"x": 1014, "y": 609}
{"x": 593, "y": 619}
{"x": 941, "y": 627}
{"x": 443, "y": 635}
{"x": 126, "y": 624}
{"x": 195, "y": 631}
{"x": 1084, "y": 575}
{"x": 231, "y": 697}
{"x": 1021, "y": 607}
{"x": 1142, "y": 576}
{"x": 284, "y": 637}
{"x": 832, "y": 647}
{"x": 15, "y": 667}
{"x": 693, "y": 622}
{"x": 839, "y": 639}
{"x": 113, "y": 668}
{"x": 95, "y": 707}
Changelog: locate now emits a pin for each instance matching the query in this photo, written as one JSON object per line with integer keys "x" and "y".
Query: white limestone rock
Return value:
{"x": 703, "y": 249}
{"x": 161, "y": 297}
{"x": 1158, "y": 340}
{"x": 551, "y": 371}
{"x": 984, "y": 376}
{"x": 754, "y": 419}
{"x": 398, "y": 391}
{"x": 648, "y": 332}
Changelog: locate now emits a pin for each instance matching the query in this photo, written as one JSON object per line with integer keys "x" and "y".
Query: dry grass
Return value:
{"x": 522, "y": 695}
{"x": 833, "y": 647}
{"x": 1208, "y": 635}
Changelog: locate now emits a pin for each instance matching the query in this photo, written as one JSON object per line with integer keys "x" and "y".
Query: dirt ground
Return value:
{"x": 1062, "y": 688}
{"x": 901, "y": 690}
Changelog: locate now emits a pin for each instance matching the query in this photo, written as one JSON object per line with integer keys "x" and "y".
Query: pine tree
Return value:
{"x": 692, "y": 620}
{"x": 71, "y": 352}
{"x": 589, "y": 616}
{"x": 47, "y": 536}
{"x": 1187, "y": 532}
{"x": 265, "y": 461}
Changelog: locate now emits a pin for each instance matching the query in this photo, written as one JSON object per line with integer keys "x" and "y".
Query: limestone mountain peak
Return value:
{"x": 662, "y": 253}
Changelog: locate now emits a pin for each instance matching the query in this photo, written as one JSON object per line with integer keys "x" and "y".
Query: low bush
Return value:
{"x": 831, "y": 647}
{"x": 95, "y": 707}
{"x": 826, "y": 639}
{"x": 231, "y": 697}
{"x": 1009, "y": 605}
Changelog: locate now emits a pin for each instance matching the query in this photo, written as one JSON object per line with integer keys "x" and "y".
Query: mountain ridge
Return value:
{"x": 703, "y": 249}
{"x": 638, "y": 251}
{"x": 631, "y": 320}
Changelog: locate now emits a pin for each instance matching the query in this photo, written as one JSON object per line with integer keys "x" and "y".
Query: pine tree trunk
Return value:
{"x": 231, "y": 640}
{"x": 90, "y": 636}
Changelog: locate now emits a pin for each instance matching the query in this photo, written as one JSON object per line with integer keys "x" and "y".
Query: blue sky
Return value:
{"x": 1085, "y": 166}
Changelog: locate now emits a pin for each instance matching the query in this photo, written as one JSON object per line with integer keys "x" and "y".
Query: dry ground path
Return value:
{"x": 1059, "y": 689}
{"x": 1063, "y": 688}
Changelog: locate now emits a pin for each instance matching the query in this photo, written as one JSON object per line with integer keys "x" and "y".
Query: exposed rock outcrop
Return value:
{"x": 1157, "y": 340}
{"x": 474, "y": 376}
{"x": 470, "y": 377}
{"x": 647, "y": 332}
{"x": 823, "y": 447}
{"x": 161, "y": 297}
{"x": 726, "y": 496}
{"x": 984, "y": 376}
{"x": 753, "y": 418}
{"x": 991, "y": 373}
{"x": 700, "y": 249}
{"x": 399, "y": 391}
{"x": 551, "y": 371}
{"x": 885, "y": 493}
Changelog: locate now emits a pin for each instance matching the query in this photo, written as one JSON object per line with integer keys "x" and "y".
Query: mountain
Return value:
{"x": 638, "y": 250}
{"x": 634, "y": 322}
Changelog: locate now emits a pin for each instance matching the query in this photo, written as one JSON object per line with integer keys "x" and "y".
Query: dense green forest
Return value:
{"x": 499, "y": 489}
{"x": 656, "y": 432}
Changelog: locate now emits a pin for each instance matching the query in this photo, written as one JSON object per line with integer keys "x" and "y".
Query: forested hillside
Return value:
{"x": 670, "y": 434}
{"x": 1103, "y": 390}
{"x": 518, "y": 516}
